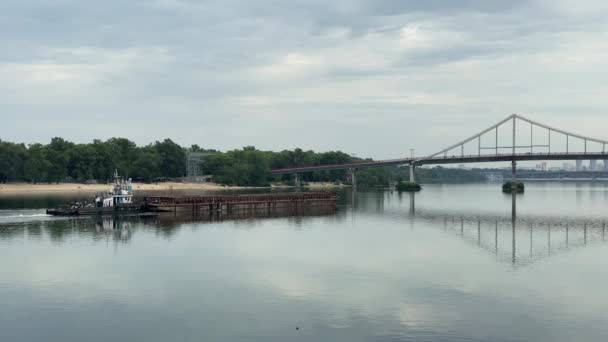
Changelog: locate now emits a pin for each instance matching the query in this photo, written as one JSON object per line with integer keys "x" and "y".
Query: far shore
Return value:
{"x": 45, "y": 188}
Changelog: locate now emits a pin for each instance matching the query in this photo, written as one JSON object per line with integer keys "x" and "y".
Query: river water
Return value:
{"x": 451, "y": 263}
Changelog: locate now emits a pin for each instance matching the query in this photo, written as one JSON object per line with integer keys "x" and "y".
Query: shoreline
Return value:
{"x": 65, "y": 188}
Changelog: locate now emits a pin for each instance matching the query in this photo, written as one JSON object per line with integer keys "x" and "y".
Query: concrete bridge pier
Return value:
{"x": 515, "y": 187}
{"x": 513, "y": 171}
{"x": 296, "y": 180}
{"x": 352, "y": 172}
{"x": 413, "y": 173}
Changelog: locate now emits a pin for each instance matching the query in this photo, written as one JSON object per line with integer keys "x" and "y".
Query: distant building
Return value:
{"x": 541, "y": 166}
{"x": 579, "y": 165}
{"x": 606, "y": 165}
{"x": 493, "y": 176}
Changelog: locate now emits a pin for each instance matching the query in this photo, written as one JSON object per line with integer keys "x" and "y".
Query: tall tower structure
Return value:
{"x": 194, "y": 165}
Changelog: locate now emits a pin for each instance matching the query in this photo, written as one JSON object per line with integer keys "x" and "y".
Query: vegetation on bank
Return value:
{"x": 61, "y": 160}
{"x": 439, "y": 174}
{"x": 249, "y": 166}
{"x": 508, "y": 187}
{"x": 407, "y": 186}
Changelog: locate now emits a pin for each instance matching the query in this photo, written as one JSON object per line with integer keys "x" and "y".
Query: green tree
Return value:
{"x": 57, "y": 153}
{"x": 12, "y": 161}
{"x": 147, "y": 165}
{"x": 36, "y": 168}
{"x": 81, "y": 163}
{"x": 122, "y": 153}
{"x": 102, "y": 165}
{"x": 172, "y": 158}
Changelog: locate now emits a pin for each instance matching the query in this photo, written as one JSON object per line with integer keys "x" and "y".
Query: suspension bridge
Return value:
{"x": 489, "y": 146}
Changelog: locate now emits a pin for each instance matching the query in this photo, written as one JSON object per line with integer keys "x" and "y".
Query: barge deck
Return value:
{"x": 240, "y": 202}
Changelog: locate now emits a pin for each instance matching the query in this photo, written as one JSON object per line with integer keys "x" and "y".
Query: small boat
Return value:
{"x": 118, "y": 200}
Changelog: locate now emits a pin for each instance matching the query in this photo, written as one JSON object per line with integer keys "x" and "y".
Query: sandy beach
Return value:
{"x": 27, "y": 188}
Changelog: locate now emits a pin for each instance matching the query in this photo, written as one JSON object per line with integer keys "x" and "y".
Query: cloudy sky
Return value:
{"x": 370, "y": 77}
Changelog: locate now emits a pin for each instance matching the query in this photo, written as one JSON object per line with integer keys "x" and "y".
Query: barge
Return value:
{"x": 240, "y": 202}
{"x": 120, "y": 200}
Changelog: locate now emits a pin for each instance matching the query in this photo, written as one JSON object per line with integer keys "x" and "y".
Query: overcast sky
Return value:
{"x": 373, "y": 77}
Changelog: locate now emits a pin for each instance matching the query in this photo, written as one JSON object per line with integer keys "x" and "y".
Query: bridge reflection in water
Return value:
{"x": 517, "y": 239}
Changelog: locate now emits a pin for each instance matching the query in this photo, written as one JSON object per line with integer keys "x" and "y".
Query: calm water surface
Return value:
{"x": 452, "y": 263}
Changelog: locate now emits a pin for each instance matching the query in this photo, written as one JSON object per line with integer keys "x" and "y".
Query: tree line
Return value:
{"x": 249, "y": 166}
{"x": 61, "y": 161}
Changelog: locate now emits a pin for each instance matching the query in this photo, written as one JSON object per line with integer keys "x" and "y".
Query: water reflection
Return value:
{"x": 114, "y": 228}
{"x": 436, "y": 265}
{"x": 121, "y": 228}
{"x": 520, "y": 240}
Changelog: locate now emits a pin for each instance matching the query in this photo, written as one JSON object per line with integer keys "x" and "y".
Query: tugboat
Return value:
{"x": 118, "y": 200}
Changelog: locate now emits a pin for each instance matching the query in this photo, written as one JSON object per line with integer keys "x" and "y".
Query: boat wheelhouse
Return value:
{"x": 121, "y": 194}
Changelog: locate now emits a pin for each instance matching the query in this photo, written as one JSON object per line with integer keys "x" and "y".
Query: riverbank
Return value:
{"x": 314, "y": 185}
{"x": 27, "y": 188}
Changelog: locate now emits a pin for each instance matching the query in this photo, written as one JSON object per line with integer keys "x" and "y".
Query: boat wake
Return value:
{"x": 22, "y": 215}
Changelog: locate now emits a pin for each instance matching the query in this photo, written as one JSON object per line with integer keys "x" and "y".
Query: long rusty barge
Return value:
{"x": 240, "y": 202}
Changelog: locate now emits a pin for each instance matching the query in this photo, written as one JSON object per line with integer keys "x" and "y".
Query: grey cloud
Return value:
{"x": 392, "y": 7}
{"x": 264, "y": 73}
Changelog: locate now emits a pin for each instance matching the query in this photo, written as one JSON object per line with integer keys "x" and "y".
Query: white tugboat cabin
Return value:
{"x": 121, "y": 194}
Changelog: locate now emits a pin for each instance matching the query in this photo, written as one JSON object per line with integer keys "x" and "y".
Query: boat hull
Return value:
{"x": 123, "y": 209}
